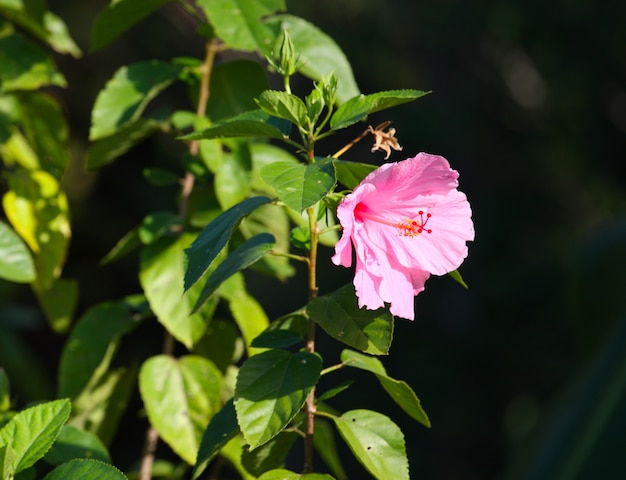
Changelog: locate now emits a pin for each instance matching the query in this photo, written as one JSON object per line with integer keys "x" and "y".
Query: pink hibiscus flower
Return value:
{"x": 406, "y": 221}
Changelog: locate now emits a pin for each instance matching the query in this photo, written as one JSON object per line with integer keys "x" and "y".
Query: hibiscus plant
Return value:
{"x": 232, "y": 392}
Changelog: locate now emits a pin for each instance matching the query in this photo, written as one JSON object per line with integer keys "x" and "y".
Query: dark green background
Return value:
{"x": 523, "y": 375}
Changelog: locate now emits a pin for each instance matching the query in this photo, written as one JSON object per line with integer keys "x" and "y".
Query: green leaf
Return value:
{"x": 336, "y": 390}
{"x": 32, "y": 432}
{"x": 324, "y": 441}
{"x": 300, "y": 186}
{"x": 377, "y": 443}
{"x": 319, "y": 54}
{"x": 105, "y": 150}
{"x": 351, "y": 174}
{"x": 58, "y": 301}
{"x": 234, "y": 86}
{"x": 119, "y": 17}
{"x": 161, "y": 274}
{"x": 271, "y": 389}
{"x": 38, "y": 210}
{"x": 370, "y": 331}
{"x": 242, "y": 257}
{"x": 214, "y": 237}
{"x": 5, "y": 392}
{"x": 93, "y": 340}
{"x": 129, "y": 242}
{"x": 358, "y": 108}
{"x": 157, "y": 224}
{"x": 458, "y": 278}
{"x": 283, "y": 332}
{"x": 398, "y": 390}
{"x": 82, "y": 469}
{"x": 180, "y": 396}
{"x": 25, "y": 66}
{"x": 247, "y": 312}
{"x": 281, "y": 474}
{"x": 222, "y": 428}
{"x": 234, "y": 174}
{"x": 16, "y": 261}
{"x": 73, "y": 443}
{"x": 238, "y": 22}
{"x": 47, "y": 131}
{"x": 126, "y": 95}
{"x": 269, "y": 455}
{"x": 255, "y": 123}
{"x": 100, "y": 406}
{"x": 271, "y": 219}
{"x": 283, "y": 105}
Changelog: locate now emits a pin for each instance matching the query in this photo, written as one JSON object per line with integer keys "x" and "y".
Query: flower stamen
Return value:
{"x": 411, "y": 228}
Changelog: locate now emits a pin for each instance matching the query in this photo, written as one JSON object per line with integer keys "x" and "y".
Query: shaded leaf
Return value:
{"x": 242, "y": 257}
{"x": 180, "y": 396}
{"x": 103, "y": 151}
{"x": 398, "y": 390}
{"x": 75, "y": 443}
{"x": 324, "y": 442}
{"x": 118, "y": 17}
{"x": 377, "y": 443}
{"x": 157, "y": 224}
{"x": 31, "y": 432}
{"x": 126, "y": 95}
{"x": 358, "y": 108}
{"x": 222, "y": 428}
{"x": 255, "y": 123}
{"x": 351, "y": 174}
{"x": 214, "y": 237}
{"x": 93, "y": 341}
{"x": 271, "y": 389}
{"x": 281, "y": 474}
{"x": 338, "y": 313}
{"x": 234, "y": 85}
{"x": 234, "y": 173}
{"x": 129, "y": 242}
{"x": 58, "y": 301}
{"x": 300, "y": 186}
{"x": 269, "y": 455}
{"x": 16, "y": 261}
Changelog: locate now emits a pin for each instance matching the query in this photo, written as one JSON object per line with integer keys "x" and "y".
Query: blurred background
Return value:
{"x": 524, "y": 374}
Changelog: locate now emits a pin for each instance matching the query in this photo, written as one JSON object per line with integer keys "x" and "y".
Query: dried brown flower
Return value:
{"x": 384, "y": 140}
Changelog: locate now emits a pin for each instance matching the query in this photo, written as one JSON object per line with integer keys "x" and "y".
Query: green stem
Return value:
{"x": 332, "y": 368}
{"x": 310, "y": 341}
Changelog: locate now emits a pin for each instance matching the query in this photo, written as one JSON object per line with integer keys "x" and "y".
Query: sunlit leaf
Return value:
{"x": 300, "y": 186}
{"x": 234, "y": 174}
{"x": 358, "y": 108}
{"x": 31, "y": 432}
{"x": 283, "y": 105}
{"x": 338, "y": 313}
{"x": 271, "y": 389}
{"x": 247, "y": 312}
{"x": 180, "y": 396}
{"x": 281, "y": 474}
{"x": 126, "y": 95}
{"x": 16, "y": 260}
{"x": 238, "y": 22}
{"x": 25, "y": 66}
{"x": 161, "y": 273}
{"x": 377, "y": 443}
{"x": 458, "y": 278}
{"x": 83, "y": 469}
